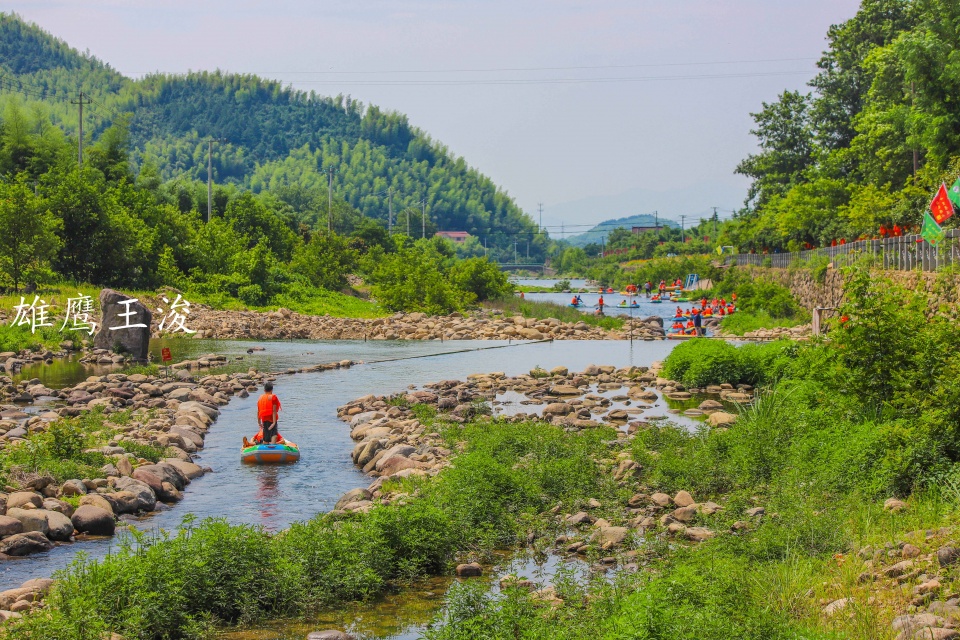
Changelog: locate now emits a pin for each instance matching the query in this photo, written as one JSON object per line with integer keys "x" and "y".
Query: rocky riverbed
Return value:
{"x": 392, "y": 443}
{"x": 175, "y": 414}
{"x": 284, "y": 324}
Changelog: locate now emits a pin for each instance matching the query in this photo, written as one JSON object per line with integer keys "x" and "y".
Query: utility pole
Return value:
{"x": 330, "y": 199}
{"x": 540, "y": 228}
{"x": 682, "y": 239}
{"x": 210, "y": 142}
{"x": 912, "y": 95}
{"x": 515, "y": 259}
{"x": 528, "y": 248}
{"x": 390, "y": 212}
{"x": 715, "y": 221}
{"x": 80, "y": 101}
{"x": 656, "y": 224}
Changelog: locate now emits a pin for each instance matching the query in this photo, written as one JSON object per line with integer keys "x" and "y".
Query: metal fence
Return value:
{"x": 899, "y": 254}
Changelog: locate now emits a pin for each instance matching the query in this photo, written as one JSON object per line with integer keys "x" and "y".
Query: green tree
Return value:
{"x": 413, "y": 278}
{"x": 325, "y": 261}
{"x": 786, "y": 141}
{"x": 28, "y": 234}
{"x": 480, "y": 278}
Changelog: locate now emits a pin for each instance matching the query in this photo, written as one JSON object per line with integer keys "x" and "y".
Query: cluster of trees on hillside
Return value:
{"x": 103, "y": 225}
{"x": 274, "y": 139}
{"x": 873, "y": 140}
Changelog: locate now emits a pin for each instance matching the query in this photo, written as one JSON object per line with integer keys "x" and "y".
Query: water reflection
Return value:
{"x": 268, "y": 482}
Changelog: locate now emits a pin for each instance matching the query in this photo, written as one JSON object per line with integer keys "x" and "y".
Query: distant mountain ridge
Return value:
{"x": 694, "y": 201}
{"x": 599, "y": 233}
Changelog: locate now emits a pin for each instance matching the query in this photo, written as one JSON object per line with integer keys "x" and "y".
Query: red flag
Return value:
{"x": 941, "y": 207}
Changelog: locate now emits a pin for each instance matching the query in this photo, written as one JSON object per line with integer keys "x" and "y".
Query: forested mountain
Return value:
{"x": 274, "y": 139}
{"x": 872, "y": 141}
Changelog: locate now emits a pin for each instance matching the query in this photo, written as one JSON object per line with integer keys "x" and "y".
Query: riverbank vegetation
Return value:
{"x": 837, "y": 432}
{"x": 65, "y": 449}
{"x": 211, "y": 572}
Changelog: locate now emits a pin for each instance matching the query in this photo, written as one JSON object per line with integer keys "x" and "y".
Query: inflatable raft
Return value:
{"x": 281, "y": 453}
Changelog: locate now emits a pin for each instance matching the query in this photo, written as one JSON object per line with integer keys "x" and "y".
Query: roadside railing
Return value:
{"x": 902, "y": 253}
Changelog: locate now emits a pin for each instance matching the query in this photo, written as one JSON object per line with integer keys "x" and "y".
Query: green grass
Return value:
{"x": 540, "y": 310}
{"x": 312, "y": 301}
{"x": 60, "y": 450}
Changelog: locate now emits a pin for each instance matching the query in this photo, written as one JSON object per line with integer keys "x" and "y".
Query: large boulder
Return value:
{"x": 133, "y": 340}
{"x": 9, "y": 526}
{"x": 190, "y": 470}
{"x": 20, "y": 498}
{"x": 60, "y": 526}
{"x": 73, "y": 488}
{"x": 22, "y": 544}
{"x": 167, "y": 473}
{"x": 146, "y": 497}
{"x": 721, "y": 419}
{"x": 31, "y": 519}
{"x": 97, "y": 500}
{"x": 354, "y": 495}
{"x": 93, "y": 520}
{"x": 149, "y": 478}
{"x": 122, "y": 501}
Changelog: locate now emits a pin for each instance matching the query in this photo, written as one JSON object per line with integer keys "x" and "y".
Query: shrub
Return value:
{"x": 697, "y": 363}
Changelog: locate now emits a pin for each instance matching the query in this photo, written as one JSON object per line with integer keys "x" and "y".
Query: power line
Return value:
{"x": 516, "y": 69}
{"x": 547, "y": 81}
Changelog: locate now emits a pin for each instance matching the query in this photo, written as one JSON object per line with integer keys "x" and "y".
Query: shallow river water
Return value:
{"x": 274, "y": 497}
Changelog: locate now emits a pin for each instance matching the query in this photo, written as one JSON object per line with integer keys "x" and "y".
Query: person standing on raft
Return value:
{"x": 268, "y": 406}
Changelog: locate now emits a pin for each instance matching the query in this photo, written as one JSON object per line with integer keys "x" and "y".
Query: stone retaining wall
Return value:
{"x": 943, "y": 288}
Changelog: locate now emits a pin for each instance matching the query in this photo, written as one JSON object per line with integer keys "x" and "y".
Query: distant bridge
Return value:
{"x": 516, "y": 266}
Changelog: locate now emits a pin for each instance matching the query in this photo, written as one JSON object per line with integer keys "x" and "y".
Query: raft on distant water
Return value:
{"x": 281, "y": 453}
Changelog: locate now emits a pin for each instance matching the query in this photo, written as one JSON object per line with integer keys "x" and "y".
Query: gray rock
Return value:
{"x": 9, "y": 526}
{"x": 93, "y": 520}
{"x": 31, "y": 519}
{"x": 329, "y": 634}
{"x": 471, "y": 570}
{"x": 354, "y": 495}
{"x": 146, "y": 498}
{"x": 73, "y": 488}
{"x": 22, "y": 544}
{"x": 947, "y": 556}
{"x": 122, "y": 501}
{"x": 60, "y": 526}
{"x": 20, "y": 498}
{"x": 190, "y": 470}
{"x": 124, "y": 466}
{"x": 134, "y": 340}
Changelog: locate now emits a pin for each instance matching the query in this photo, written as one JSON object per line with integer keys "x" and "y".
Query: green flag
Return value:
{"x": 954, "y": 193}
{"x": 931, "y": 231}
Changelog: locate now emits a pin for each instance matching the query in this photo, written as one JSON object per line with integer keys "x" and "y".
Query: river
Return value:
{"x": 274, "y": 497}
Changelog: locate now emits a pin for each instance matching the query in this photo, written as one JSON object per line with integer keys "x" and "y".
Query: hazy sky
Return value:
{"x": 554, "y": 100}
